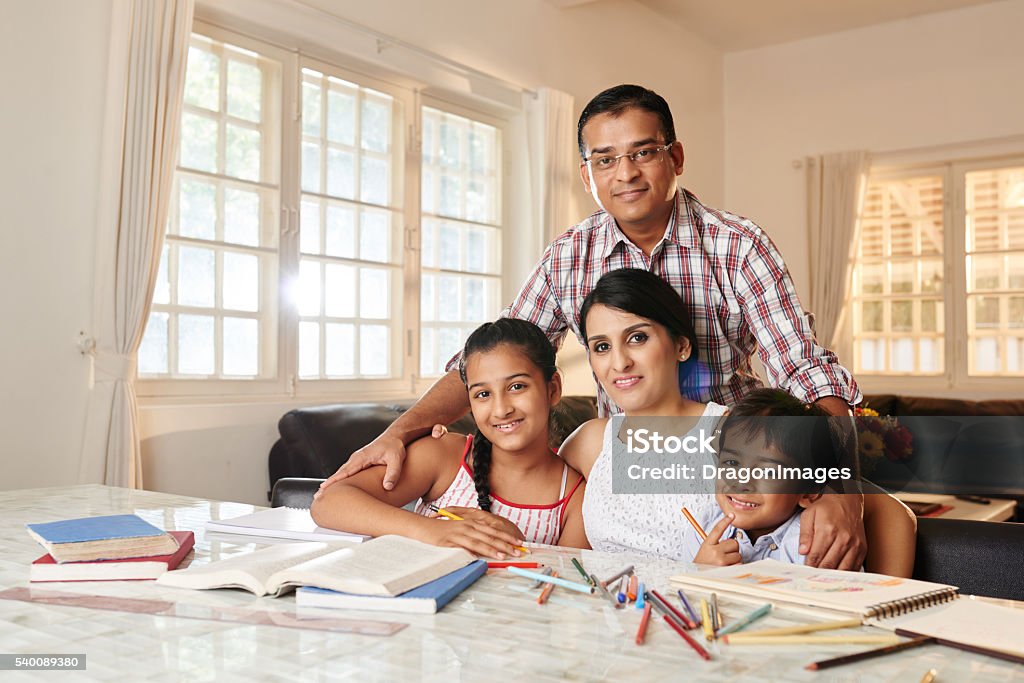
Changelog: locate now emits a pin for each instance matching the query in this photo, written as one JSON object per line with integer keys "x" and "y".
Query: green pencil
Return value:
{"x": 581, "y": 570}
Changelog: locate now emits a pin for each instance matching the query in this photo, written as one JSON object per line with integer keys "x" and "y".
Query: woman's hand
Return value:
{"x": 716, "y": 551}
{"x": 488, "y": 518}
{"x": 474, "y": 536}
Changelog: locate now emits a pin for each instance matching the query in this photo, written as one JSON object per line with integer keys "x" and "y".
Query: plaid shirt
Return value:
{"x": 735, "y": 282}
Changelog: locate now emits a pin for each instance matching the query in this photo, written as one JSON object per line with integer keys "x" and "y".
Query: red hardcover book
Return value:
{"x": 133, "y": 568}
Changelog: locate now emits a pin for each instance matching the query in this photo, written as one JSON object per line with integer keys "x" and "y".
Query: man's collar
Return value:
{"x": 680, "y": 228}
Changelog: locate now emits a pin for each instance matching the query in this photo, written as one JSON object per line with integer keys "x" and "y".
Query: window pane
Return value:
{"x": 476, "y": 251}
{"x": 986, "y": 355}
{"x": 872, "y": 241}
{"x": 871, "y": 316}
{"x": 374, "y": 293}
{"x": 243, "y": 153}
{"x": 903, "y": 276}
{"x": 930, "y": 350}
{"x": 902, "y": 316}
{"x": 374, "y": 181}
{"x": 197, "y": 209}
{"x": 341, "y": 231}
{"x": 449, "y": 246}
{"x": 475, "y": 300}
{"x": 309, "y": 227}
{"x": 448, "y": 298}
{"x": 931, "y": 276}
{"x": 374, "y": 348}
{"x": 202, "y": 79}
{"x": 196, "y": 277}
{"x": 309, "y": 288}
{"x": 1015, "y": 355}
{"x": 986, "y": 312}
{"x": 241, "y": 347}
{"x": 984, "y": 271}
{"x": 309, "y": 350}
{"x": 428, "y": 354}
{"x": 310, "y": 109}
{"x": 1015, "y": 271}
{"x": 375, "y": 236}
{"x": 340, "y": 354}
{"x": 428, "y": 191}
{"x": 153, "y": 350}
{"x": 427, "y": 257}
{"x": 241, "y": 217}
{"x": 198, "y": 142}
{"x": 310, "y": 167}
{"x": 477, "y": 201}
{"x": 340, "y": 291}
{"x": 376, "y": 124}
{"x": 341, "y": 178}
{"x": 902, "y": 355}
{"x": 481, "y": 145}
{"x": 449, "y": 342}
{"x": 245, "y": 90}
{"x": 195, "y": 345}
{"x": 162, "y": 293}
{"x": 241, "y": 282}
{"x": 451, "y": 195}
{"x": 931, "y": 316}
{"x": 341, "y": 117}
{"x": 1015, "y": 318}
{"x": 428, "y": 311}
{"x": 451, "y": 154}
{"x": 872, "y": 277}
{"x": 901, "y": 238}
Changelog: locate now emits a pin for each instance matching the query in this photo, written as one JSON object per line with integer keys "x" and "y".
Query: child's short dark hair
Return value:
{"x": 529, "y": 339}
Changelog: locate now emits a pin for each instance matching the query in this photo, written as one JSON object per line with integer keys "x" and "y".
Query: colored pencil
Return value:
{"x": 747, "y": 639}
{"x": 683, "y": 619}
{"x": 455, "y": 518}
{"x": 502, "y": 565}
{"x": 601, "y": 587}
{"x": 571, "y": 585}
{"x": 543, "y": 597}
{"x": 631, "y": 589}
{"x": 663, "y": 609}
{"x": 544, "y": 570}
{"x": 641, "y": 631}
{"x": 705, "y": 619}
{"x": 641, "y": 602}
{"x": 700, "y": 532}
{"x": 747, "y": 620}
{"x": 620, "y": 595}
{"x": 716, "y": 615}
{"x": 581, "y": 570}
{"x": 689, "y": 609}
{"x": 686, "y": 636}
{"x": 618, "y": 575}
{"x": 929, "y": 676}
{"x": 807, "y": 628}
{"x": 898, "y": 646}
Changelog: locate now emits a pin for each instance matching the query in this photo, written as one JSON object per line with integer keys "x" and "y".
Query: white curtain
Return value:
{"x": 553, "y": 156}
{"x": 148, "y": 77}
{"x": 835, "y": 189}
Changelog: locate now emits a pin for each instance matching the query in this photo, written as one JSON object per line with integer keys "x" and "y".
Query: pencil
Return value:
{"x": 543, "y": 597}
{"x": 571, "y": 585}
{"x": 807, "y": 628}
{"x": 898, "y": 646}
{"x": 716, "y": 615}
{"x": 658, "y": 603}
{"x": 455, "y": 518}
{"x": 581, "y": 570}
{"x": 641, "y": 601}
{"x": 626, "y": 571}
{"x": 689, "y": 609}
{"x": 929, "y": 676}
{"x": 543, "y": 570}
{"x": 747, "y": 620}
{"x": 501, "y": 565}
{"x": 683, "y": 619}
{"x": 747, "y": 639}
{"x": 631, "y": 589}
{"x": 686, "y": 636}
{"x": 700, "y": 531}
{"x": 597, "y": 585}
{"x": 641, "y": 631}
{"x": 705, "y": 618}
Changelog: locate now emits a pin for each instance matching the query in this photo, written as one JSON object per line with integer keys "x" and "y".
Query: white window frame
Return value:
{"x": 955, "y": 377}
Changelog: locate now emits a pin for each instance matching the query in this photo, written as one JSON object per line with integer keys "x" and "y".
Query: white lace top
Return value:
{"x": 645, "y": 522}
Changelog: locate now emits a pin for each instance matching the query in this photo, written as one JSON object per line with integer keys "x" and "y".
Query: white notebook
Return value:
{"x": 283, "y": 522}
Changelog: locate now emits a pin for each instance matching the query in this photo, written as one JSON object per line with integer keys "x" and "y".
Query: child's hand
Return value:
{"x": 716, "y": 551}
{"x": 490, "y": 519}
{"x": 476, "y": 537}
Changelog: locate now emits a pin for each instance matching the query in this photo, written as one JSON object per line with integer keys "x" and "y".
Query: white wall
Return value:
{"x": 933, "y": 80}
{"x": 53, "y": 78}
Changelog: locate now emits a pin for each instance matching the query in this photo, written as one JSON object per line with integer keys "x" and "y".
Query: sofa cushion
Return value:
{"x": 893, "y": 404}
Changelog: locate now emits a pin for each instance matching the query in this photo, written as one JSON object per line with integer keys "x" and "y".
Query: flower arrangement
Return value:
{"x": 880, "y": 437}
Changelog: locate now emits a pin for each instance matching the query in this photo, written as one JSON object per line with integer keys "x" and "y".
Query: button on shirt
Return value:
{"x": 733, "y": 281}
{"x": 783, "y": 544}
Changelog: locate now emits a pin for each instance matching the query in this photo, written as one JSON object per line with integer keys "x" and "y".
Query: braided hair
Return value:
{"x": 530, "y": 340}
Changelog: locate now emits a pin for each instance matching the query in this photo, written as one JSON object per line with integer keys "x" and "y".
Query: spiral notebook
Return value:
{"x": 907, "y": 606}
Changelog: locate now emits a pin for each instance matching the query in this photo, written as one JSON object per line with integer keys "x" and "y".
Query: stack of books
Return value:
{"x": 107, "y": 548}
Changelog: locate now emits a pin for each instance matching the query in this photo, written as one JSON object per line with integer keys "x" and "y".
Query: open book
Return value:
{"x": 908, "y": 606}
{"x": 386, "y": 565}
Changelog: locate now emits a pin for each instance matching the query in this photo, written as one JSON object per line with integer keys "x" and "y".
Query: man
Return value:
{"x": 739, "y": 291}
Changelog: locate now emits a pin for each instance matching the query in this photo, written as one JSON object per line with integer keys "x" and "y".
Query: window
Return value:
{"x": 939, "y": 275}
{"x": 307, "y": 249}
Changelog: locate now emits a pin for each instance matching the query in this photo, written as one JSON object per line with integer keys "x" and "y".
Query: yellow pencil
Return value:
{"x": 929, "y": 676}
{"x": 751, "y": 639}
{"x": 807, "y": 628}
{"x": 705, "y": 618}
{"x": 454, "y": 517}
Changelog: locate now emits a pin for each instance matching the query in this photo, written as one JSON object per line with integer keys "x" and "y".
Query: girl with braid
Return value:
{"x": 508, "y": 368}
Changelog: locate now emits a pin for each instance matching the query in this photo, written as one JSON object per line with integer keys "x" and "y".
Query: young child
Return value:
{"x": 509, "y": 370}
{"x": 760, "y": 519}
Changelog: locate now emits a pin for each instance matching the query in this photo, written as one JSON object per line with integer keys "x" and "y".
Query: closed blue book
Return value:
{"x": 108, "y": 537}
{"x": 427, "y": 599}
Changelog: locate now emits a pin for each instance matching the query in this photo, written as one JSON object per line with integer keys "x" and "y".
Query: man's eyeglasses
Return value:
{"x": 604, "y": 163}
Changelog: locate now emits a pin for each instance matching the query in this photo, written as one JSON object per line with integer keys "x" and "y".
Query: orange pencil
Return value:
{"x": 543, "y": 597}
{"x": 631, "y": 590}
{"x": 641, "y": 632}
{"x": 700, "y": 532}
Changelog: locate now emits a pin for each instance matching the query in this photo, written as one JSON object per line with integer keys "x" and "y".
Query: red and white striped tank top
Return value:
{"x": 539, "y": 523}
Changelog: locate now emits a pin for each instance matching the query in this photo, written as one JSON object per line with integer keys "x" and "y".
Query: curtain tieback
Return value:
{"x": 113, "y": 367}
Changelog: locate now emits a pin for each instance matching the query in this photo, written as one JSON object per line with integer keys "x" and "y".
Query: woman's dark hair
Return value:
{"x": 646, "y": 295}
{"x": 618, "y": 99}
{"x": 529, "y": 339}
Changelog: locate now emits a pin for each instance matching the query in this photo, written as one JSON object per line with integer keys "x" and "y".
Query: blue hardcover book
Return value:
{"x": 427, "y": 599}
{"x": 109, "y": 537}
